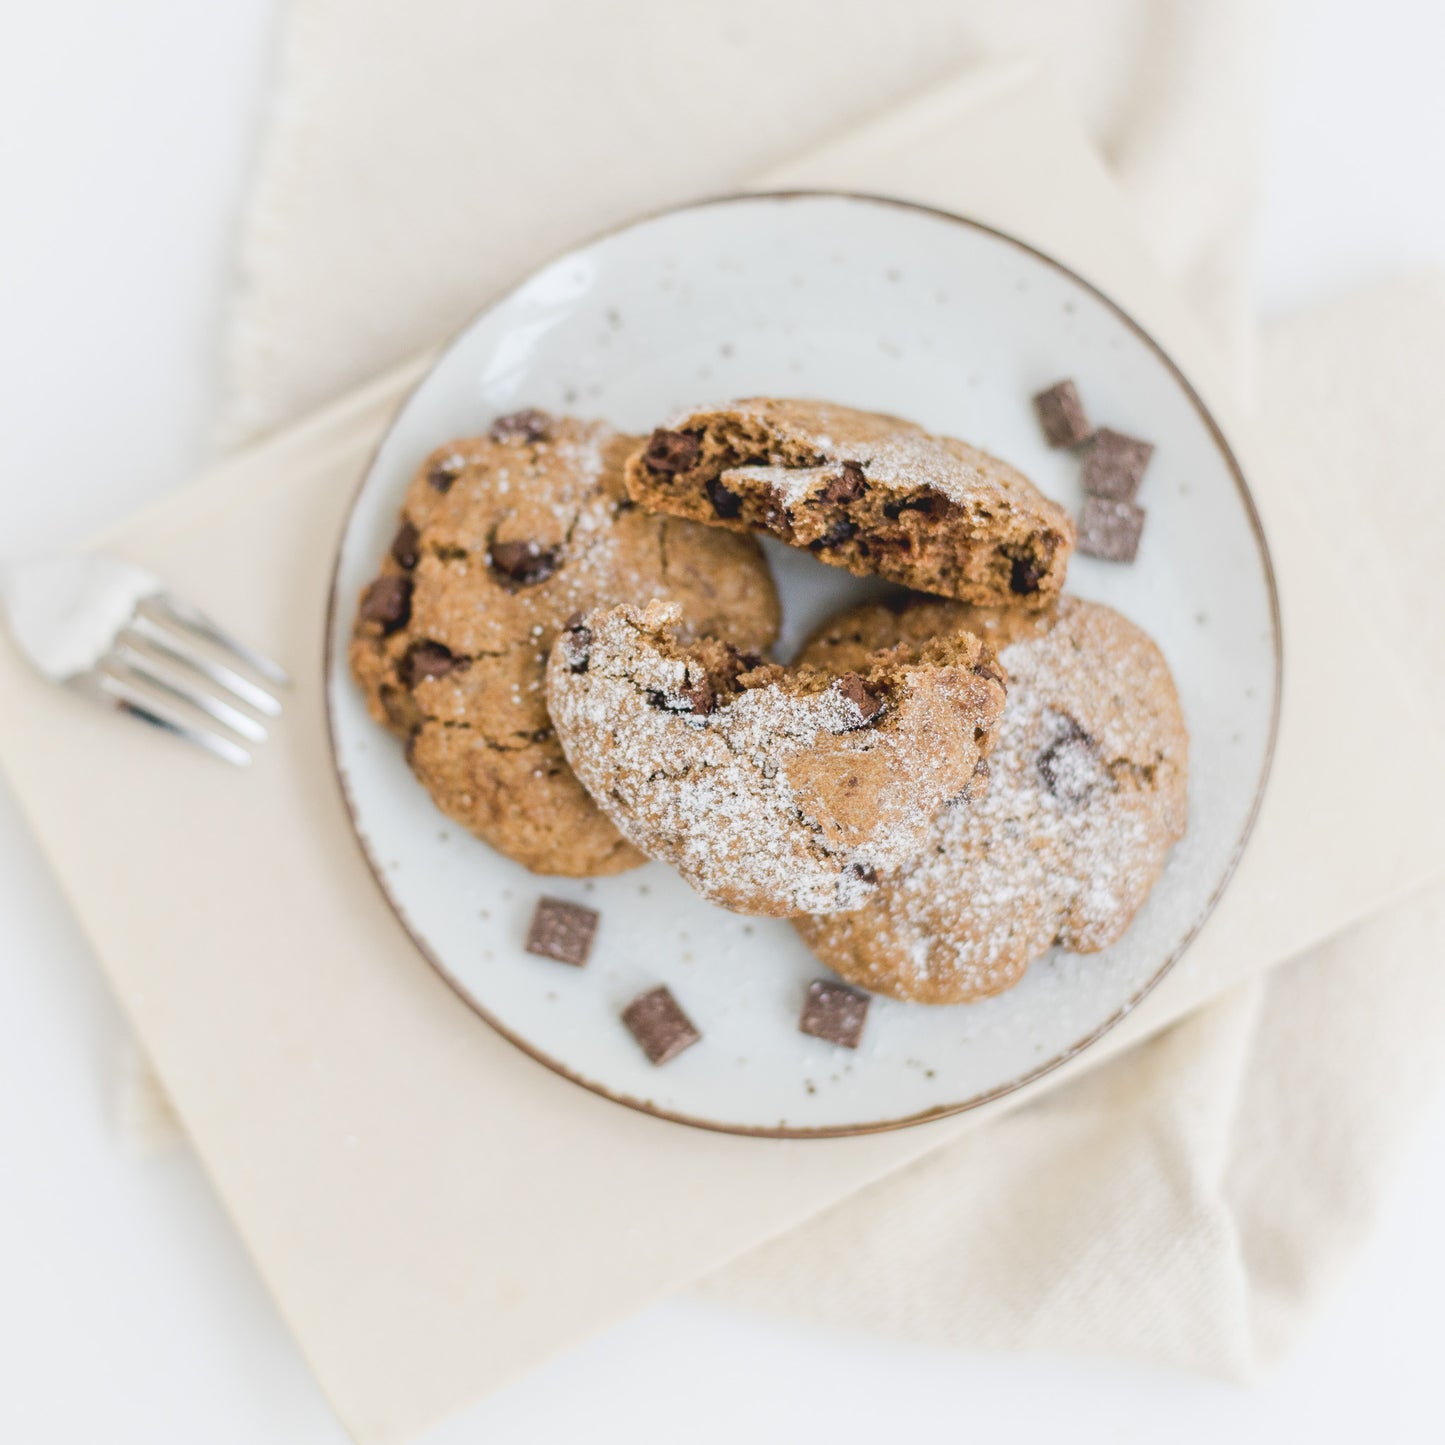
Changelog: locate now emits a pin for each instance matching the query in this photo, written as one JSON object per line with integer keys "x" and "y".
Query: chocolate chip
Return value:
{"x": 1110, "y": 529}
{"x": 659, "y": 1025}
{"x": 408, "y": 748}
{"x": 1070, "y": 766}
{"x": 701, "y": 696}
{"x": 855, "y": 691}
{"x": 834, "y": 1012}
{"x": 404, "y": 546}
{"x": 1115, "y": 465}
{"x": 671, "y": 452}
{"x": 444, "y": 473}
{"x": 387, "y": 601}
{"x": 862, "y": 872}
{"x": 847, "y": 486}
{"x": 576, "y": 644}
{"x": 562, "y": 930}
{"x": 523, "y": 563}
{"x": 1025, "y": 575}
{"x": 725, "y": 503}
{"x": 1061, "y": 414}
{"x": 427, "y": 660}
{"x": 836, "y": 535}
{"x": 927, "y": 503}
{"x": 978, "y": 783}
{"x": 521, "y": 426}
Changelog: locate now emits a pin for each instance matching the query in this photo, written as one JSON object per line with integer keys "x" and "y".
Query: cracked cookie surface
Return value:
{"x": 1087, "y": 794}
{"x": 502, "y": 538}
{"x": 772, "y": 790}
{"x": 871, "y": 493}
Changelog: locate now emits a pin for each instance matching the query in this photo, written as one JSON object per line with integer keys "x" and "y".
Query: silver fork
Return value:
{"x": 111, "y": 631}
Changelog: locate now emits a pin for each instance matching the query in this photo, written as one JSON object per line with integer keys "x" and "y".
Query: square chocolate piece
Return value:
{"x": 659, "y": 1025}
{"x": 835, "y": 1012}
{"x": 1115, "y": 465}
{"x": 1061, "y": 414}
{"x": 1110, "y": 529}
{"x": 562, "y": 930}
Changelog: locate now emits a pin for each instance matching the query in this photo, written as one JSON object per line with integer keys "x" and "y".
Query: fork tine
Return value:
{"x": 186, "y": 615}
{"x": 174, "y": 641}
{"x": 152, "y": 670}
{"x": 132, "y": 699}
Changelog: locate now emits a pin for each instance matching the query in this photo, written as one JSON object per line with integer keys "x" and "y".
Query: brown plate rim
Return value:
{"x": 941, "y": 1111}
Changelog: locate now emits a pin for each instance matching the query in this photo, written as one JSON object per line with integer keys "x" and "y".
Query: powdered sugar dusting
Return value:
{"x": 1087, "y": 795}
{"x": 743, "y": 800}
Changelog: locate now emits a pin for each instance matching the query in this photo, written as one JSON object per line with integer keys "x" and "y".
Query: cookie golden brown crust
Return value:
{"x": 502, "y": 538}
{"x": 772, "y": 790}
{"x": 861, "y": 490}
{"x": 1087, "y": 794}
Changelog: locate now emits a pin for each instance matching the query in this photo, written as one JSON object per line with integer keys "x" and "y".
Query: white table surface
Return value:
{"x": 128, "y": 1311}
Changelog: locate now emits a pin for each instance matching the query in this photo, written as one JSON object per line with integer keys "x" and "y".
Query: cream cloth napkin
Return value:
{"x": 406, "y": 1181}
{"x": 1186, "y": 1202}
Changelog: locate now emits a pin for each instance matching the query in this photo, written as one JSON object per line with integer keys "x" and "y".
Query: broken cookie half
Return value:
{"x": 772, "y": 790}
{"x": 861, "y": 490}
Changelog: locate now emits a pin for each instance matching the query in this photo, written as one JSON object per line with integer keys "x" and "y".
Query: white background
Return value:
{"x": 128, "y": 1312}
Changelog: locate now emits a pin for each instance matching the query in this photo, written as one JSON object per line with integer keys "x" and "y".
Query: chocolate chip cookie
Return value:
{"x": 860, "y": 490}
{"x": 1086, "y": 796}
{"x": 502, "y": 538}
{"x": 772, "y": 790}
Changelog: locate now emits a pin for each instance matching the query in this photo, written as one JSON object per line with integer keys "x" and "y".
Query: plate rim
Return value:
{"x": 940, "y": 1111}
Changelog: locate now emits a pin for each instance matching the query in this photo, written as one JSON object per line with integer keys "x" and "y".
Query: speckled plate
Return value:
{"x": 893, "y": 308}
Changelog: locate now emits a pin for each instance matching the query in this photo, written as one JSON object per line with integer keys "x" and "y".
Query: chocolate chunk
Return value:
{"x": 701, "y": 696}
{"x": 562, "y": 930}
{"x": 659, "y": 1025}
{"x": 725, "y": 503}
{"x": 835, "y": 536}
{"x": 855, "y": 690}
{"x": 521, "y": 426}
{"x": 847, "y": 486}
{"x": 1070, "y": 766}
{"x": 1115, "y": 465}
{"x": 523, "y": 563}
{"x": 1025, "y": 575}
{"x": 978, "y": 783}
{"x": 576, "y": 644}
{"x": 427, "y": 660}
{"x": 1061, "y": 414}
{"x": 672, "y": 451}
{"x": 404, "y": 546}
{"x": 834, "y": 1012}
{"x": 1110, "y": 529}
{"x": 444, "y": 473}
{"x": 387, "y": 601}
{"x": 927, "y": 504}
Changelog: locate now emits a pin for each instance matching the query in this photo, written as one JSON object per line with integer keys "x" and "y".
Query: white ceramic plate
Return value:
{"x": 897, "y": 309}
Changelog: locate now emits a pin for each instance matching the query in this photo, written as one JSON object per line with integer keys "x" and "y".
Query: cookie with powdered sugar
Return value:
{"x": 502, "y": 538}
{"x": 1086, "y": 796}
{"x": 771, "y": 790}
{"x": 861, "y": 490}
